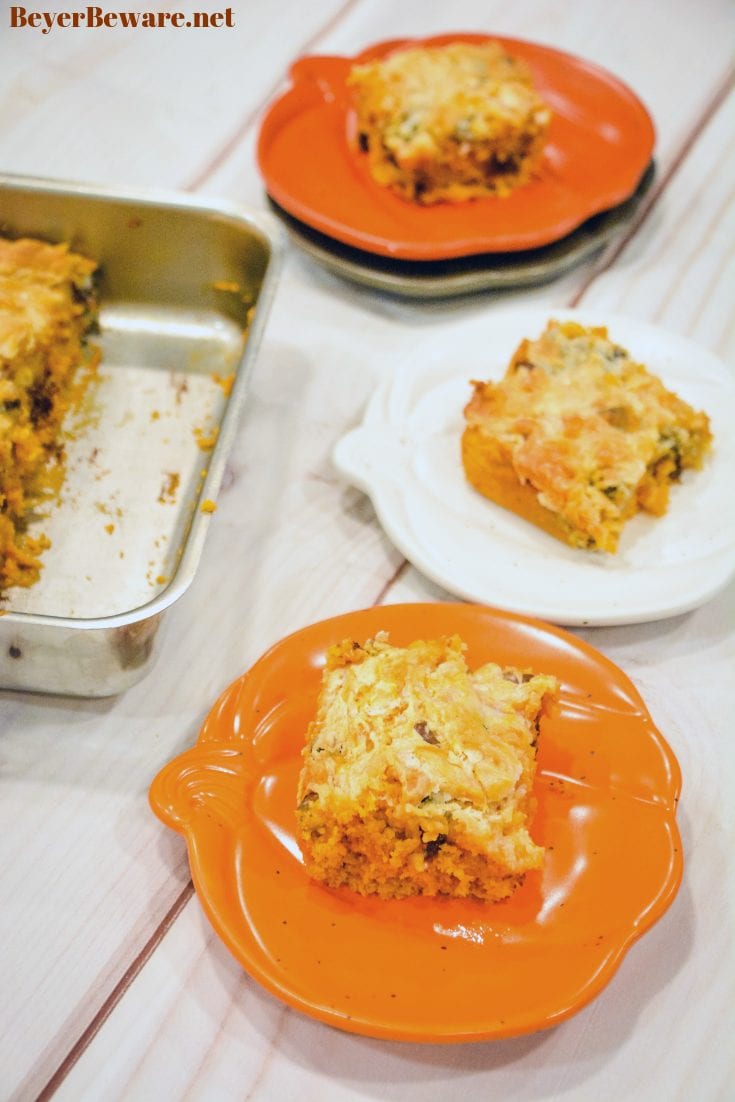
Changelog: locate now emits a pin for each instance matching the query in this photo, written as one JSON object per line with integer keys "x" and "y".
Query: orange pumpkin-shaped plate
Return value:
{"x": 433, "y": 969}
{"x": 599, "y": 145}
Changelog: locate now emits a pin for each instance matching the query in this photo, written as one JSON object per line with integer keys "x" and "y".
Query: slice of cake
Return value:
{"x": 47, "y": 305}
{"x": 578, "y": 437}
{"x": 418, "y": 775}
{"x": 449, "y": 122}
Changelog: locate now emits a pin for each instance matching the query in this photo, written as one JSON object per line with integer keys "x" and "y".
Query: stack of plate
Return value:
{"x": 596, "y": 168}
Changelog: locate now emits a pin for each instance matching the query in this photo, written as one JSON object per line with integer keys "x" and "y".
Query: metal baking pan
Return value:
{"x": 185, "y": 287}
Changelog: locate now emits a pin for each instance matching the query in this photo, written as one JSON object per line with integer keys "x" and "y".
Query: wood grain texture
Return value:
{"x": 87, "y": 875}
{"x": 115, "y": 994}
{"x": 606, "y": 1052}
{"x": 142, "y": 107}
{"x": 676, "y": 272}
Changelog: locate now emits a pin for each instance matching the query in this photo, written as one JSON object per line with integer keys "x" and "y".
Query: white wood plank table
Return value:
{"x": 112, "y": 985}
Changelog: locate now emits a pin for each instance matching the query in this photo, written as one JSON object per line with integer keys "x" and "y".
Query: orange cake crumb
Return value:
{"x": 418, "y": 774}
{"x": 47, "y": 306}
{"x": 578, "y": 437}
{"x": 450, "y": 122}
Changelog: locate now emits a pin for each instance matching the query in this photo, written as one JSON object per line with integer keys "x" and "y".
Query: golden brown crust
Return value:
{"x": 417, "y": 775}
{"x": 449, "y": 122}
{"x": 577, "y": 437}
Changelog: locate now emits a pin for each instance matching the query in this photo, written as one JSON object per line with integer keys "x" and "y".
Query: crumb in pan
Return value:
{"x": 449, "y": 123}
{"x": 578, "y": 437}
{"x": 418, "y": 774}
{"x": 47, "y": 307}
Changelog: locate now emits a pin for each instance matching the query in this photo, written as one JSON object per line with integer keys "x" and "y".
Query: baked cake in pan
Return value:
{"x": 418, "y": 775}
{"x": 47, "y": 305}
{"x": 449, "y": 122}
{"x": 578, "y": 437}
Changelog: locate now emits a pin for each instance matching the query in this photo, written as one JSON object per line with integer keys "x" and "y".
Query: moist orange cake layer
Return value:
{"x": 47, "y": 306}
{"x": 449, "y": 122}
{"x": 418, "y": 774}
{"x": 578, "y": 437}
